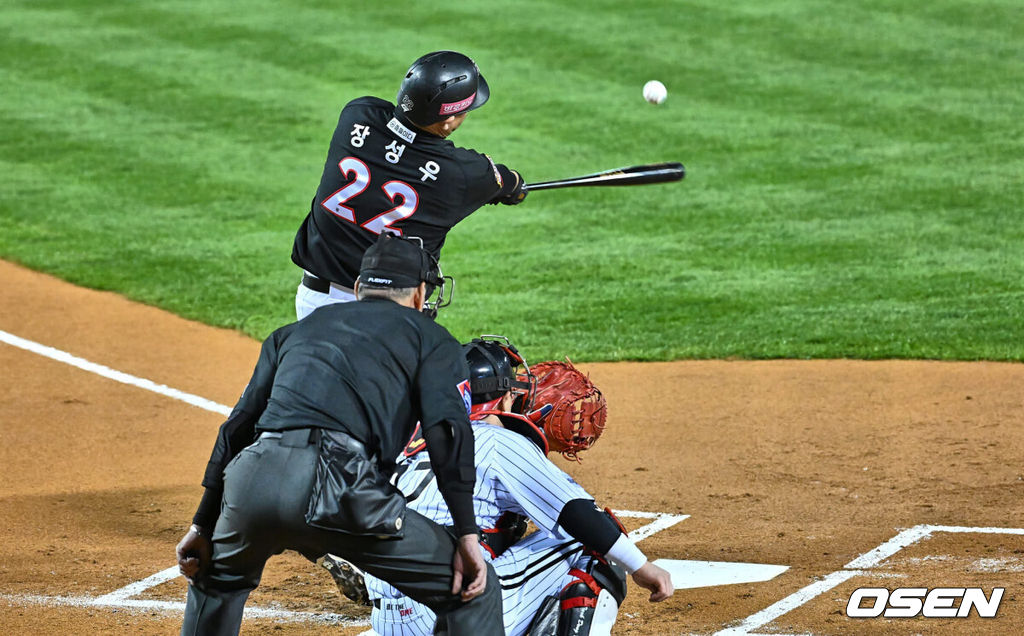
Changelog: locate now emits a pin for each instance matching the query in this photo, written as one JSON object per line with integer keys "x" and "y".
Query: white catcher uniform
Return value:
{"x": 512, "y": 474}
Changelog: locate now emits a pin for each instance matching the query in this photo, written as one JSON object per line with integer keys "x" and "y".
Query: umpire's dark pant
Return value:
{"x": 266, "y": 493}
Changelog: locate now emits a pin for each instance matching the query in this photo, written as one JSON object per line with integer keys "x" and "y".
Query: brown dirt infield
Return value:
{"x": 807, "y": 464}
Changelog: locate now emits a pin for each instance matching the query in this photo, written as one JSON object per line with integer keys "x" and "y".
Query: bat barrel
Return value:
{"x": 633, "y": 175}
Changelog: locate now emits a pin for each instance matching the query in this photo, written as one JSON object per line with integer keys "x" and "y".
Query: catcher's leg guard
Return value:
{"x": 590, "y": 604}
{"x": 545, "y": 623}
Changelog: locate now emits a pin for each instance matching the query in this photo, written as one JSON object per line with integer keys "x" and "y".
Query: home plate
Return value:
{"x": 690, "y": 574}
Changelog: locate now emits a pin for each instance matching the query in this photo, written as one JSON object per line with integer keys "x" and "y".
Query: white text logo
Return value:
{"x": 939, "y": 602}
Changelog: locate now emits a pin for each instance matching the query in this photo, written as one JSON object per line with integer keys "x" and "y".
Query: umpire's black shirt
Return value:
{"x": 384, "y": 174}
{"x": 370, "y": 369}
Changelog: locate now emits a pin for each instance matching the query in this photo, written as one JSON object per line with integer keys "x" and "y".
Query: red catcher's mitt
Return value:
{"x": 578, "y": 408}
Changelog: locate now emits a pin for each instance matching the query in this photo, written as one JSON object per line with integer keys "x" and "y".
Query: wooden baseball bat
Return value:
{"x": 633, "y": 175}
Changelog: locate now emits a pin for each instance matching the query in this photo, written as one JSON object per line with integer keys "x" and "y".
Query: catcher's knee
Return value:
{"x": 590, "y": 604}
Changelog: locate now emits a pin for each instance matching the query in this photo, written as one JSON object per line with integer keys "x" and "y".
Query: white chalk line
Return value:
{"x": 112, "y": 374}
{"x": 177, "y": 607}
{"x": 791, "y": 602}
{"x": 139, "y": 587}
{"x": 902, "y": 540}
{"x": 636, "y": 514}
{"x": 662, "y": 521}
{"x": 122, "y": 597}
{"x": 858, "y": 566}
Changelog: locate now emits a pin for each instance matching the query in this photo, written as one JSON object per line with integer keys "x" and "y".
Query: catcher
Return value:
{"x": 571, "y": 573}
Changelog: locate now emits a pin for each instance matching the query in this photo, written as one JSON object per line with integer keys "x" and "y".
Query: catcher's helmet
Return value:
{"x": 494, "y": 371}
{"x": 439, "y": 85}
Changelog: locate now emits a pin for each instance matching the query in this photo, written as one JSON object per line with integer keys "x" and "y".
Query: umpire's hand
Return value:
{"x": 193, "y": 553}
{"x": 469, "y": 566}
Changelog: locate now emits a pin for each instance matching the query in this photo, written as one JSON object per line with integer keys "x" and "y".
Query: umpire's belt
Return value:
{"x": 295, "y": 437}
{"x": 299, "y": 437}
{"x": 320, "y": 285}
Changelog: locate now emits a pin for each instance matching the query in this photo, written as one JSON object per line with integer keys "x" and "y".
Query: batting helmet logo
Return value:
{"x": 457, "y": 107}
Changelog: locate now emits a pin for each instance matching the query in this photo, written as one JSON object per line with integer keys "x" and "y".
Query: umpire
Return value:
{"x": 390, "y": 167}
{"x": 304, "y": 460}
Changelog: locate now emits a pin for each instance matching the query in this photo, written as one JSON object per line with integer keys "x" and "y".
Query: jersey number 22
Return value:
{"x": 359, "y": 175}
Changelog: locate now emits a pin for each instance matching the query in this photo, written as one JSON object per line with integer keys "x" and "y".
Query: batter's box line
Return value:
{"x": 859, "y": 566}
{"x": 140, "y": 605}
{"x": 661, "y": 521}
{"x": 122, "y": 597}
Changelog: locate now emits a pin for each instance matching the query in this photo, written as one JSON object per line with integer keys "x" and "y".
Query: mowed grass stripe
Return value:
{"x": 145, "y": 80}
{"x": 128, "y": 166}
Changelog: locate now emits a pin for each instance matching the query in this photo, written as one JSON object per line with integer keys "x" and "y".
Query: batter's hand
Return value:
{"x": 655, "y": 579}
{"x": 193, "y": 554}
{"x": 469, "y": 566}
{"x": 518, "y": 193}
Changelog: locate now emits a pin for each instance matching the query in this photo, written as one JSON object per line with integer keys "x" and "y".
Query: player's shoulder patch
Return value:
{"x": 467, "y": 395}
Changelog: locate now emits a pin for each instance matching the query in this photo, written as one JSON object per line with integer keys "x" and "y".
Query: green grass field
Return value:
{"x": 854, "y": 181}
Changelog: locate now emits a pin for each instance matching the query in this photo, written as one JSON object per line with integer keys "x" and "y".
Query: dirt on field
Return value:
{"x": 806, "y": 464}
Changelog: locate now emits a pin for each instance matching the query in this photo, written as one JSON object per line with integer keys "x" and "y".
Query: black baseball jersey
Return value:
{"x": 384, "y": 174}
{"x": 370, "y": 369}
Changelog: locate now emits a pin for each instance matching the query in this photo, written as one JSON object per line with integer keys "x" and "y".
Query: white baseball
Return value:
{"x": 655, "y": 92}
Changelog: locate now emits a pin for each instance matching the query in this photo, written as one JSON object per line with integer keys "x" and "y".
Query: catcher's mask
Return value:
{"x": 439, "y": 85}
{"x": 494, "y": 370}
{"x": 396, "y": 262}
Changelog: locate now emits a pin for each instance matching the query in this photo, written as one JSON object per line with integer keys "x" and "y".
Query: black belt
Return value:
{"x": 321, "y": 285}
{"x": 296, "y": 437}
{"x": 303, "y": 436}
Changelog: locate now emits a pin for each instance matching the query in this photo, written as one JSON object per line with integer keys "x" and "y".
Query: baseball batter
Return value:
{"x": 550, "y": 576}
{"x": 390, "y": 168}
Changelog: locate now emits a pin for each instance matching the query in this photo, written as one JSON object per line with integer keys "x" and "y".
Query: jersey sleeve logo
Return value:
{"x": 466, "y": 394}
{"x": 416, "y": 443}
{"x": 497, "y": 174}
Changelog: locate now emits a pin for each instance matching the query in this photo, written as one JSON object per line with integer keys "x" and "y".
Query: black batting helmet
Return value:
{"x": 494, "y": 370}
{"x": 439, "y": 85}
